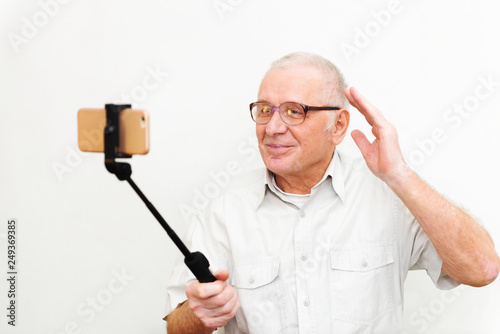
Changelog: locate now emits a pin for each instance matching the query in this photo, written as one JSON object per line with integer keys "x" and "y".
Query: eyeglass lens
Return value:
{"x": 291, "y": 113}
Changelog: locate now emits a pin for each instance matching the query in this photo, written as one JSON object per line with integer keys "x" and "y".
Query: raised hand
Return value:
{"x": 383, "y": 156}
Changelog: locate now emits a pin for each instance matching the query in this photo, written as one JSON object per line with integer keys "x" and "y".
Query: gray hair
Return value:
{"x": 334, "y": 82}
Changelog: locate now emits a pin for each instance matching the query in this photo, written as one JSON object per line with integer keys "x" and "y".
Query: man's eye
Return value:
{"x": 292, "y": 112}
{"x": 265, "y": 110}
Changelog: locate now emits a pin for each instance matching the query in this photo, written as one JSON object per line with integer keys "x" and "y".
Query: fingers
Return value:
{"x": 219, "y": 317}
{"x": 213, "y": 303}
{"x": 206, "y": 290}
{"x": 221, "y": 275}
{"x": 361, "y": 141}
{"x": 348, "y": 92}
{"x": 372, "y": 114}
{"x": 221, "y": 305}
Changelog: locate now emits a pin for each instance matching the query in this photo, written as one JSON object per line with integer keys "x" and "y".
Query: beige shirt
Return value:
{"x": 335, "y": 262}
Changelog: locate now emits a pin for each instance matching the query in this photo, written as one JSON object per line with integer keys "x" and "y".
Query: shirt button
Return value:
{"x": 303, "y": 257}
{"x": 251, "y": 280}
{"x": 364, "y": 263}
{"x": 306, "y": 302}
{"x": 302, "y": 214}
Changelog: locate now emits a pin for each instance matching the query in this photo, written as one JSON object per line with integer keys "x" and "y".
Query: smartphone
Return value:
{"x": 134, "y": 130}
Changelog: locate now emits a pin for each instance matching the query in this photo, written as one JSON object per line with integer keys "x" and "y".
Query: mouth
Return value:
{"x": 278, "y": 147}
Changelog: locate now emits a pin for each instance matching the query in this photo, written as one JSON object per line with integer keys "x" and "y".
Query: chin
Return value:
{"x": 278, "y": 166}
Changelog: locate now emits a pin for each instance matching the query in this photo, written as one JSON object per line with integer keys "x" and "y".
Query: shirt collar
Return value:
{"x": 268, "y": 183}
{"x": 334, "y": 170}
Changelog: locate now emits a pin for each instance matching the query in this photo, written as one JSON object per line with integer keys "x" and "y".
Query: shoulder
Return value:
{"x": 354, "y": 168}
{"x": 244, "y": 189}
{"x": 358, "y": 178}
{"x": 352, "y": 164}
{"x": 250, "y": 179}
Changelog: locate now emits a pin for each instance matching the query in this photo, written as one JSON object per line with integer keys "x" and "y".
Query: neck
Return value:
{"x": 298, "y": 187}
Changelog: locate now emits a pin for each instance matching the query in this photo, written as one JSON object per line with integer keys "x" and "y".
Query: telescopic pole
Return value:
{"x": 196, "y": 261}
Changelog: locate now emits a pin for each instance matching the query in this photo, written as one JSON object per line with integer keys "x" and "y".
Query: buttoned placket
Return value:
{"x": 301, "y": 248}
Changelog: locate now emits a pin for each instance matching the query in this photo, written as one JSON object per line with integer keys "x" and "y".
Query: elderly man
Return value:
{"x": 320, "y": 242}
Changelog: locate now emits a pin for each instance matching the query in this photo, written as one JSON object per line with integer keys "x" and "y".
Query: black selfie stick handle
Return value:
{"x": 196, "y": 262}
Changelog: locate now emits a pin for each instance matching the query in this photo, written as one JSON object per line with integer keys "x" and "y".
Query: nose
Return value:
{"x": 276, "y": 124}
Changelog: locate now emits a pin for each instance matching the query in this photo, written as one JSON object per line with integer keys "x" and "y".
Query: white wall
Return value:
{"x": 79, "y": 227}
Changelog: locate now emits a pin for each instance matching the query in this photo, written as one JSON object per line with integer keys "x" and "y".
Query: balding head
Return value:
{"x": 334, "y": 82}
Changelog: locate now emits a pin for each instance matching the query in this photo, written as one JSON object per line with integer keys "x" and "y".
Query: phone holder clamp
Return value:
{"x": 122, "y": 170}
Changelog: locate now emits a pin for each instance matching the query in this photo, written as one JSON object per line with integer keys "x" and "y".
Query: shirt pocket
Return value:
{"x": 361, "y": 283}
{"x": 260, "y": 290}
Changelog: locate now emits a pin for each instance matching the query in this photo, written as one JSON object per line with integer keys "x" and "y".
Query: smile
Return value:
{"x": 278, "y": 147}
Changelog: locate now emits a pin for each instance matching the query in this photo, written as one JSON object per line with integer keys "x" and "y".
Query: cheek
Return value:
{"x": 299, "y": 136}
{"x": 260, "y": 131}
{"x": 313, "y": 141}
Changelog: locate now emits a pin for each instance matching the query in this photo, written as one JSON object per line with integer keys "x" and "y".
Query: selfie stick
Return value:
{"x": 196, "y": 262}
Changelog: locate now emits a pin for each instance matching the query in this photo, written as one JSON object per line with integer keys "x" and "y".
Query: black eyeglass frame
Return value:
{"x": 305, "y": 107}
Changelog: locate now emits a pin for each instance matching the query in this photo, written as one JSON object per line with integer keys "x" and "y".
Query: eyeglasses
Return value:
{"x": 292, "y": 113}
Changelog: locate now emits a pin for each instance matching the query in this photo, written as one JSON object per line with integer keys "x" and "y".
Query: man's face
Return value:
{"x": 302, "y": 150}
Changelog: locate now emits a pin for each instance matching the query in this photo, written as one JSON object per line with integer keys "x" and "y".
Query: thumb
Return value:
{"x": 361, "y": 141}
{"x": 221, "y": 275}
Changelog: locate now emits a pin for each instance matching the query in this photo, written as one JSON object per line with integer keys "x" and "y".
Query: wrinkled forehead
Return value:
{"x": 298, "y": 83}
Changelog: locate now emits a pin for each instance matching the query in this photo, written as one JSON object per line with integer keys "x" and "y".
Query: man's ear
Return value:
{"x": 339, "y": 128}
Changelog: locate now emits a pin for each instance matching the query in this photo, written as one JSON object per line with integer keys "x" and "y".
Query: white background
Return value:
{"x": 79, "y": 227}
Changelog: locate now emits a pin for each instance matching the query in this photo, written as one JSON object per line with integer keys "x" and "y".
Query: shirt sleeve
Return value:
{"x": 421, "y": 252}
